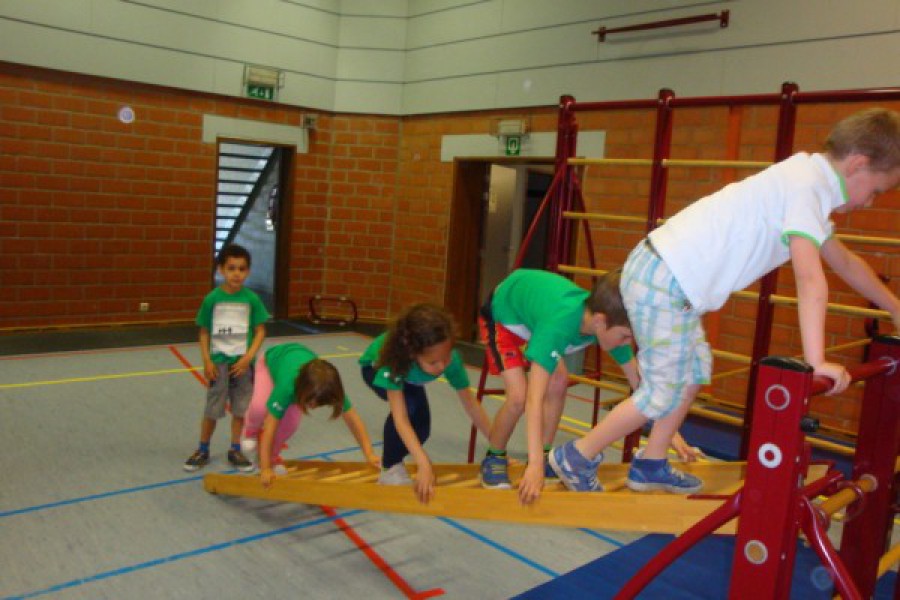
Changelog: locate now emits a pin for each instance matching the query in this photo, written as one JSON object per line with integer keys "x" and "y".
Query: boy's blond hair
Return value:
{"x": 874, "y": 133}
{"x": 606, "y": 298}
{"x": 319, "y": 384}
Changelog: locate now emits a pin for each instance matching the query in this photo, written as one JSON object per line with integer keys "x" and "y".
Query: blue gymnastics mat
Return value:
{"x": 700, "y": 574}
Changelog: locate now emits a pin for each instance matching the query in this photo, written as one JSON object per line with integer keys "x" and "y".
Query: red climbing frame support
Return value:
{"x": 867, "y": 537}
{"x": 775, "y": 504}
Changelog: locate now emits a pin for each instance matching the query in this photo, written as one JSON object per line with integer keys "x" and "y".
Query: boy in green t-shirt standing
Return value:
{"x": 232, "y": 328}
{"x": 551, "y": 316}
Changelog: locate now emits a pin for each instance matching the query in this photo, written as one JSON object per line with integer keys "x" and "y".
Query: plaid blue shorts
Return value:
{"x": 672, "y": 347}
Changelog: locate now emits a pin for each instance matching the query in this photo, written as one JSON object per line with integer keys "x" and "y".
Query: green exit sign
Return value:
{"x": 263, "y": 92}
{"x": 513, "y": 145}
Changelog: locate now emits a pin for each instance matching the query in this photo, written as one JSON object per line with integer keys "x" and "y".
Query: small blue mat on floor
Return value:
{"x": 700, "y": 574}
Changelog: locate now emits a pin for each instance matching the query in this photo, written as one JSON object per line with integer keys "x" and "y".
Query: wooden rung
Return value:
{"x": 475, "y": 481}
{"x": 627, "y": 162}
{"x": 724, "y": 164}
{"x": 568, "y": 214}
{"x": 606, "y": 385}
{"x": 354, "y": 475}
{"x": 888, "y": 559}
{"x": 448, "y": 478}
{"x": 299, "y": 473}
{"x": 840, "y": 309}
{"x": 868, "y": 239}
{"x": 732, "y": 356}
{"x": 581, "y": 270}
{"x": 315, "y": 475}
{"x": 615, "y": 485}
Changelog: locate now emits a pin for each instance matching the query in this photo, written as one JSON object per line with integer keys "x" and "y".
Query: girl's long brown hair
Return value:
{"x": 418, "y": 327}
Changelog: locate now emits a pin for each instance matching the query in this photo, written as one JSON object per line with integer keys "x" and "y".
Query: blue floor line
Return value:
{"x": 302, "y": 328}
{"x": 605, "y": 538}
{"x": 181, "y": 556}
{"x": 140, "y": 488}
{"x": 500, "y": 547}
{"x": 150, "y": 486}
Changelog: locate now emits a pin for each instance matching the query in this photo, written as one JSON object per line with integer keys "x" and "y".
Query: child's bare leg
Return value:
{"x": 207, "y": 428}
{"x": 664, "y": 429}
{"x": 510, "y": 412}
{"x": 555, "y": 402}
{"x": 237, "y": 425}
{"x": 621, "y": 421}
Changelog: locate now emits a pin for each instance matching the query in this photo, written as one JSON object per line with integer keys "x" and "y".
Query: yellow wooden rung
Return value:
{"x": 367, "y": 475}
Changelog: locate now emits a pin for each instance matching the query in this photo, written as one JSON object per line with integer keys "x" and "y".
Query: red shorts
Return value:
{"x": 503, "y": 347}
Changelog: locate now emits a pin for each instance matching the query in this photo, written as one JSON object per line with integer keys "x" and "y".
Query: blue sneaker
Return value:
{"x": 494, "y": 473}
{"x": 657, "y": 474}
{"x": 575, "y": 471}
{"x": 549, "y": 473}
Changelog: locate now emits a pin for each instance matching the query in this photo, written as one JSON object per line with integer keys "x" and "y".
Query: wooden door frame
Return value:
{"x": 464, "y": 243}
{"x": 463, "y": 269}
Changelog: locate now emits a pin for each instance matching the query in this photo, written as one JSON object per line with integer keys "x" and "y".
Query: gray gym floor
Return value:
{"x": 94, "y": 502}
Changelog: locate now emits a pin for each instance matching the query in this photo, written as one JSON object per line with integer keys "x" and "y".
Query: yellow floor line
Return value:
{"x": 95, "y": 378}
{"x": 123, "y": 375}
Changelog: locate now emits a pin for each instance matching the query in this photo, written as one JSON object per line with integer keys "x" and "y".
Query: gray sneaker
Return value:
{"x": 395, "y": 475}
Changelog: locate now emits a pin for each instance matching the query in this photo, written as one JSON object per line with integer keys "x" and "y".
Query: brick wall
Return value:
{"x": 361, "y": 208}
{"x": 97, "y": 216}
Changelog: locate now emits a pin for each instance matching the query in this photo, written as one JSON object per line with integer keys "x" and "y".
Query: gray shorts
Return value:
{"x": 227, "y": 388}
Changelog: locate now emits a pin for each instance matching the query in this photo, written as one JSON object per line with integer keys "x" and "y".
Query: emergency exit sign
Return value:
{"x": 513, "y": 145}
{"x": 263, "y": 92}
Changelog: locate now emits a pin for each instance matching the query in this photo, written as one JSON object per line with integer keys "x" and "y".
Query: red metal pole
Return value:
{"x": 662, "y": 147}
{"x": 566, "y": 137}
{"x": 770, "y": 505}
{"x": 868, "y": 536}
{"x": 765, "y": 311}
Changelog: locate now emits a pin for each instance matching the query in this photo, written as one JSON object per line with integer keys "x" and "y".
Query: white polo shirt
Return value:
{"x": 725, "y": 241}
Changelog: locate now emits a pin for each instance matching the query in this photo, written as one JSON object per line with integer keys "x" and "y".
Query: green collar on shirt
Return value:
{"x": 843, "y": 183}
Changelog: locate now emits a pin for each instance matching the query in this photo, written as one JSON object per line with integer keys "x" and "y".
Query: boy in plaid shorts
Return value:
{"x": 721, "y": 244}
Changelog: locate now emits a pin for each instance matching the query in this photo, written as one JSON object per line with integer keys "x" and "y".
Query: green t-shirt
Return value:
{"x": 284, "y": 362}
{"x": 546, "y": 309}
{"x": 455, "y": 372}
{"x": 231, "y": 320}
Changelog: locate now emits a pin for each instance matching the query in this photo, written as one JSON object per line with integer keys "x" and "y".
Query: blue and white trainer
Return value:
{"x": 549, "y": 473}
{"x": 648, "y": 474}
{"x": 495, "y": 473}
{"x": 574, "y": 470}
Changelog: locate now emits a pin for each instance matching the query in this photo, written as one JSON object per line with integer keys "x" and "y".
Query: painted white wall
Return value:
{"x": 425, "y": 56}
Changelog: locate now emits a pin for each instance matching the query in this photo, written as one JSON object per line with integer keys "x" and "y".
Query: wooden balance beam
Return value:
{"x": 459, "y": 494}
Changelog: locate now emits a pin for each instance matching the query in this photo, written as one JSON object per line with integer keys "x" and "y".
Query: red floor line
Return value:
{"x": 188, "y": 364}
{"x": 379, "y": 562}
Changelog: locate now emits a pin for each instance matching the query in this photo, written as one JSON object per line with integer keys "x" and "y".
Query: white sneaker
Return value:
{"x": 248, "y": 445}
{"x": 396, "y": 475}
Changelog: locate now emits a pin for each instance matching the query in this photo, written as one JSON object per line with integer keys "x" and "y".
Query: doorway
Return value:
{"x": 494, "y": 204}
{"x": 253, "y": 180}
